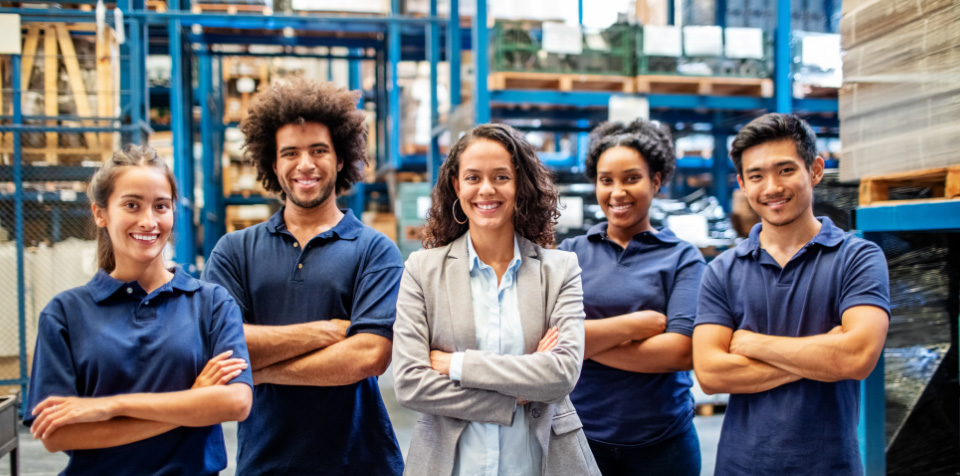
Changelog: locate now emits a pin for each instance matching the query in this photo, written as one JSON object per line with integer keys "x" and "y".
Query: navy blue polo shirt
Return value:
{"x": 110, "y": 337}
{"x": 656, "y": 272}
{"x": 349, "y": 272}
{"x": 804, "y": 427}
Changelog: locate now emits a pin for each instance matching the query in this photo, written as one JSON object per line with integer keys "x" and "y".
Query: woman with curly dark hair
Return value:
{"x": 489, "y": 333}
{"x": 640, "y": 288}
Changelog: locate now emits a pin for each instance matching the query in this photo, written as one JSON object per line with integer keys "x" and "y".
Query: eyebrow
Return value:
{"x": 140, "y": 197}
{"x": 635, "y": 169}
{"x": 498, "y": 169}
{"x": 311, "y": 146}
{"x": 776, "y": 165}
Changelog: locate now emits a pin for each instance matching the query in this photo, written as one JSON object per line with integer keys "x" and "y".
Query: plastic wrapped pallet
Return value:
{"x": 900, "y": 105}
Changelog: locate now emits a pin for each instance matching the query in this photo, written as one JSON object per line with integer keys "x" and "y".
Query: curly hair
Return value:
{"x": 537, "y": 199}
{"x": 650, "y": 140}
{"x": 773, "y": 127}
{"x": 298, "y": 101}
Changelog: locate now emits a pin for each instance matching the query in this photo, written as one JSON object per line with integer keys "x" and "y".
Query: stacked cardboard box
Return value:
{"x": 900, "y": 104}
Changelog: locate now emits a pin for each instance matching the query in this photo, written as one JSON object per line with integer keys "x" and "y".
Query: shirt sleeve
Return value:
{"x": 682, "y": 302}
{"x": 866, "y": 280}
{"x": 54, "y": 372}
{"x": 222, "y": 268}
{"x": 456, "y": 366}
{"x": 375, "y": 299}
{"x": 712, "y": 305}
{"x": 226, "y": 332}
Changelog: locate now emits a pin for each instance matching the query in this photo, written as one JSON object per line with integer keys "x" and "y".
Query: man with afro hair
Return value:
{"x": 318, "y": 291}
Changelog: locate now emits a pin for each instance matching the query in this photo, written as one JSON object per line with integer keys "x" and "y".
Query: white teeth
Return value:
{"x": 145, "y": 237}
{"x": 621, "y": 207}
{"x": 487, "y": 206}
{"x": 306, "y": 182}
{"x": 781, "y": 202}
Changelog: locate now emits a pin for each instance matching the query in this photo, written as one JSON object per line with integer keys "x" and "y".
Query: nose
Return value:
{"x": 305, "y": 162}
{"x": 618, "y": 189}
{"x": 148, "y": 219}
{"x": 772, "y": 185}
{"x": 486, "y": 187}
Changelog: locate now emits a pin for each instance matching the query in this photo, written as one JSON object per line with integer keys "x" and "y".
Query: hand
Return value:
{"x": 56, "y": 412}
{"x": 334, "y": 330}
{"x": 440, "y": 361}
{"x": 740, "y": 341}
{"x": 549, "y": 340}
{"x": 220, "y": 370}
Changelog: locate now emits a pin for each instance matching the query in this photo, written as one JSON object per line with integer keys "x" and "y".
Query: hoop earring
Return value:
{"x": 454, "y": 211}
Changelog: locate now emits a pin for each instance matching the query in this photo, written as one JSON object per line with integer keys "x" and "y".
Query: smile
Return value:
{"x": 777, "y": 203}
{"x": 145, "y": 238}
{"x": 619, "y": 207}
{"x": 487, "y": 206}
{"x": 306, "y": 182}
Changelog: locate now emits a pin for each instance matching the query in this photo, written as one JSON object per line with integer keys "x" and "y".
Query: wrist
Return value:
{"x": 115, "y": 406}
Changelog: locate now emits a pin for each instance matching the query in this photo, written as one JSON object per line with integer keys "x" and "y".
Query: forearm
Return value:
{"x": 271, "y": 344}
{"x": 607, "y": 333}
{"x": 104, "y": 434}
{"x": 721, "y": 372}
{"x": 659, "y": 354}
{"x": 195, "y": 407}
{"x": 344, "y": 363}
{"x": 826, "y": 358}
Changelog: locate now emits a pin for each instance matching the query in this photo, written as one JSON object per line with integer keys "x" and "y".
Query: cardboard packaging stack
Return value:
{"x": 900, "y": 103}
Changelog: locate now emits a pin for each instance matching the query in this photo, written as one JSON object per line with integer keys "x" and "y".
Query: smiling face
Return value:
{"x": 625, "y": 189}
{"x": 138, "y": 217}
{"x": 306, "y": 164}
{"x": 776, "y": 183}
{"x": 486, "y": 186}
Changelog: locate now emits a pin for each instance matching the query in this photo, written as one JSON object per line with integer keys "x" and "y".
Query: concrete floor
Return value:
{"x": 36, "y": 461}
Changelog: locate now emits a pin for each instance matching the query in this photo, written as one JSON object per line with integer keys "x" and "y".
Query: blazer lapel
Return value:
{"x": 459, "y": 295}
{"x": 530, "y": 295}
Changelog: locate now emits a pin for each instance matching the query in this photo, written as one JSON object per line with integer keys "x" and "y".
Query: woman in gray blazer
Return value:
{"x": 489, "y": 337}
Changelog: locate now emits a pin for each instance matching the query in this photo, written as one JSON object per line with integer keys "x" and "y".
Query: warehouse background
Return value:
{"x": 876, "y": 79}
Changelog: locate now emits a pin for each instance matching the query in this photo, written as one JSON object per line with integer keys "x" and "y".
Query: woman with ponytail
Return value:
{"x": 134, "y": 372}
{"x": 640, "y": 287}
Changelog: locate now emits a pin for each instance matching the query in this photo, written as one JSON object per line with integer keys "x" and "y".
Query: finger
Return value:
{"x": 41, "y": 423}
{"x": 47, "y": 403}
{"x": 227, "y": 378}
{"x": 217, "y": 358}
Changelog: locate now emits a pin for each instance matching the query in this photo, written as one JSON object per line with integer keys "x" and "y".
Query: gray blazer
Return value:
{"x": 435, "y": 312}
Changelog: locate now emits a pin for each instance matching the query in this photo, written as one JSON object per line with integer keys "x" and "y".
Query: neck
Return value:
{"x": 326, "y": 215}
{"x": 150, "y": 275}
{"x": 622, "y": 236}
{"x": 493, "y": 246}
{"x": 791, "y": 236}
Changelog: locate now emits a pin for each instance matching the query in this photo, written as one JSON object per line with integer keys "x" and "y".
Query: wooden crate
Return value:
{"x": 945, "y": 182}
{"x": 560, "y": 82}
{"x": 60, "y": 47}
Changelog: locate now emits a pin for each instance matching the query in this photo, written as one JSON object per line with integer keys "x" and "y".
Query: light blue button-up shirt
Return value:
{"x": 487, "y": 449}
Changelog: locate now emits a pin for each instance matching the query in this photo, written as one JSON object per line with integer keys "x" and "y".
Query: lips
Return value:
{"x": 619, "y": 207}
{"x": 487, "y": 207}
{"x": 776, "y": 204}
{"x": 304, "y": 182}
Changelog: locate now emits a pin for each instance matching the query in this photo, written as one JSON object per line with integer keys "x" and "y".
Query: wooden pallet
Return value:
{"x": 706, "y": 85}
{"x": 802, "y": 91}
{"x": 231, "y": 8}
{"x": 945, "y": 182}
{"x": 560, "y": 82}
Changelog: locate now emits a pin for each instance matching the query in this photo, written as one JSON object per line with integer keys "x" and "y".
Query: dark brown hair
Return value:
{"x": 536, "y": 211}
{"x": 298, "y": 101}
{"x": 652, "y": 141}
{"x": 775, "y": 127}
{"x": 102, "y": 184}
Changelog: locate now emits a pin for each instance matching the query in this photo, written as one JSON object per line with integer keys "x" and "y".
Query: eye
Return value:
{"x": 130, "y": 205}
{"x": 634, "y": 178}
{"x": 605, "y": 181}
{"x": 470, "y": 178}
{"x": 787, "y": 170}
{"x": 163, "y": 206}
{"x": 754, "y": 177}
{"x": 503, "y": 177}
{"x": 319, "y": 151}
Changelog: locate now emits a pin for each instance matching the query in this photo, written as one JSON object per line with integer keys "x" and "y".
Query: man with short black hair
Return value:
{"x": 791, "y": 319}
{"x": 318, "y": 291}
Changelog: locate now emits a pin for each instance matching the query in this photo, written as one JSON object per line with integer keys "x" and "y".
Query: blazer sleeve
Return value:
{"x": 416, "y": 384}
{"x": 540, "y": 376}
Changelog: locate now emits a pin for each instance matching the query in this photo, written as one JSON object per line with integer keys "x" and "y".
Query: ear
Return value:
{"x": 740, "y": 181}
{"x": 456, "y": 185}
{"x": 99, "y": 215}
{"x": 339, "y": 164}
{"x": 656, "y": 182}
{"x": 816, "y": 171}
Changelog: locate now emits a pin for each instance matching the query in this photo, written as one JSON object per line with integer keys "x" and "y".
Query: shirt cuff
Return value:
{"x": 456, "y": 366}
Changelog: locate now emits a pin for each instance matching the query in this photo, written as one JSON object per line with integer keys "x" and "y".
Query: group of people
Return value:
{"x": 520, "y": 358}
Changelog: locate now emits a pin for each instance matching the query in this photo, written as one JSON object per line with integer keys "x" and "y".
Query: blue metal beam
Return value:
{"x": 393, "y": 90}
{"x": 213, "y": 212}
{"x": 917, "y": 216}
{"x": 181, "y": 115}
{"x": 782, "y": 88}
{"x": 454, "y": 45}
{"x": 18, "y": 222}
{"x": 433, "y": 56}
{"x": 871, "y": 429}
{"x": 481, "y": 64}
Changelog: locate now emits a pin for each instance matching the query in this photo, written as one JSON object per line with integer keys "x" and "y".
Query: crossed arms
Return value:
{"x": 490, "y": 385}
{"x": 728, "y": 361}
